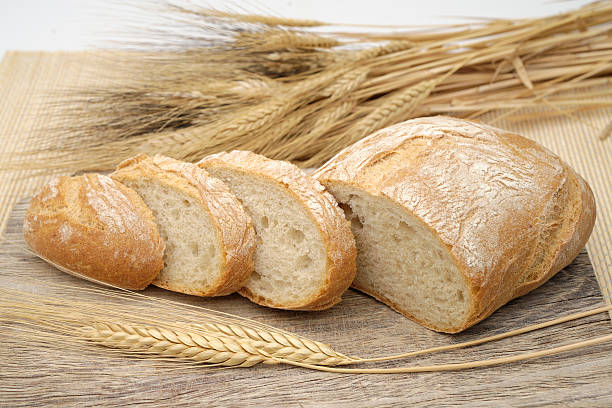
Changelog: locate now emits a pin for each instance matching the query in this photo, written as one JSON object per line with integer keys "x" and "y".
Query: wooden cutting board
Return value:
{"x": 358, "y": 326}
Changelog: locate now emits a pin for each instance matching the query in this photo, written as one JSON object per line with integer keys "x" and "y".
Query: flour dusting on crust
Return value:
{"x": 476, "y": 186}
{"x": 113, "y": 208}
{"x": 65, "y": 232}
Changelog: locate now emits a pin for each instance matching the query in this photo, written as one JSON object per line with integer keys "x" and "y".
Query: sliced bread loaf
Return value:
{"x": 96, "y": 228}
{"x": 454, "y": 218}
{"x": 209, "y": 238}
{"x": 305, "y": 255}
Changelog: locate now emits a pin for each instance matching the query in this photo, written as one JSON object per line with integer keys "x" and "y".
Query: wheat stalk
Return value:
{"x": 257, "y": 19}
{"x": 400, "y": 104}
{"x": 324, "y": 122}
{"x": 346, "y": 83}
{"x": 222, "y": 339}
{"x": 463, "y": 366}
{"x": 172, "y": 343}
{"x": 278, "y": 39}
{"x": 268, "y": 73}
{"x": 291, "y": 96}
{"x": 218, "y": 344}
{"x": 378, "y": 51}
{"x": 237, "y": 346}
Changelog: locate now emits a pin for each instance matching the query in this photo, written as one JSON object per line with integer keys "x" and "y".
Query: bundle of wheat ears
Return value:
{"x": 121, "y": 322}
{"x": 302, "y": 90}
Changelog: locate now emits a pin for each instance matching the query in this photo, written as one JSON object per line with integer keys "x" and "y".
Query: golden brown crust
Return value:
{"x": 491, "y": 197}
{"x": 234, "y": 229}
{"x": 96, "y": 227}
{"x": 323, "y": 210}
{"x": 309, "y": 307}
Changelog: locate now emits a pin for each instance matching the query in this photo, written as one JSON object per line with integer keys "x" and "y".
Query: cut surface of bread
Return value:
{"x": 454, "y": 218}
{"x": 401, "y": 262}
{"x": 305, "y": 255}
{"x": 96, "y": 228}
{"x": 209, "y": 238}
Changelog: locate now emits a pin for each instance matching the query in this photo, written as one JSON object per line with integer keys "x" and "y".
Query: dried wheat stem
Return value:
{"x": 277, "y": 90}
{"x": 519, "y": 67}
{"x": 222, "y": 340}
{"x": 461, "y": 366}
{"x": 496, "y": 337}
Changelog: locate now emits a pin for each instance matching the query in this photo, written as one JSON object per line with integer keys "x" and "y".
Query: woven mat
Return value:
{"x": 27, "y": 80}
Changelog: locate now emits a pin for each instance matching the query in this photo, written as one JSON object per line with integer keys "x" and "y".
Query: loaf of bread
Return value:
{"x": 96, "y": 228}
{"x": 209, "y": 238}
{"x": 305, "y": 255}
{"x": 453, "y": 218}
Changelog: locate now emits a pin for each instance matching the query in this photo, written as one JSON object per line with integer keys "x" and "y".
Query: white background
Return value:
{"x": 73, "y": 24}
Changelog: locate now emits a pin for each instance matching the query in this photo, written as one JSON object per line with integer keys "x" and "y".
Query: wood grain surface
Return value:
{"x": 358, "y": 326}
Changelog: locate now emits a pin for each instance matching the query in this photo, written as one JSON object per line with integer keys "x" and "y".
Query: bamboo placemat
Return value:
{"x": 27, "y": 80}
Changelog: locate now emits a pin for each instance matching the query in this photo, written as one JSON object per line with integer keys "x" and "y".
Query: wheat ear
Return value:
{"x": 263, "y": 114}
{"x": 389, "y": 48}
{"x": 281, "y": 345}
{"x": 324, "y": 122}
{"x": 277, "y": 39}
{"x": 397, "y": 107}
{"x": 257, "y": 19}
{"x": 172, "y": 343}
{"x": 214, "y": 344}
{"x": 259, "y": 115}
{"x": 401, "y": 105}
{"x": 346, "y": 84}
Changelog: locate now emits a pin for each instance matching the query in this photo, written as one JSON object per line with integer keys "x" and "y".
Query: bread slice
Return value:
{"x": 454, "y": 218}
{"x": 94, "y": 227}
{"x": 209, "y": 238}
{"x": 305, "y": 256}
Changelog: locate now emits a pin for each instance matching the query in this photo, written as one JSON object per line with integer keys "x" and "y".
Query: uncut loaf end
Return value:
{"x": 96, "y": 228}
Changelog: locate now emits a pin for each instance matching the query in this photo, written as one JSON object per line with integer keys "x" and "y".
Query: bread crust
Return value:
{"x": 322, "y": 209}
{"x": 96, "y": 227}
{"x": 234, "y": 229}
{"x": 510, "y": 213}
